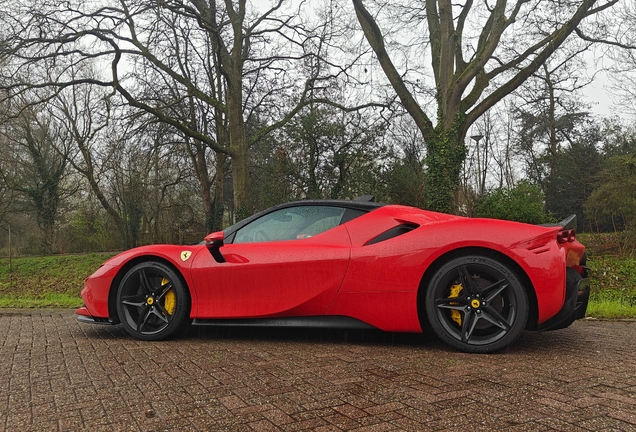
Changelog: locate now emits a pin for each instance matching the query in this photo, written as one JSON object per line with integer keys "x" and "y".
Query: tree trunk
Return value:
{"x": 219, "y": 193}
{"x": 238, "y": 150}
{"x": 119, "y": 223}
{"x": 208, "y": 201}
{"x": 240, "y": 181}
{"x": 446, "y": 152}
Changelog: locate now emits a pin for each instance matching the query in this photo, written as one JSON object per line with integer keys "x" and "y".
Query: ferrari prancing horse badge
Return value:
{"x": 185, "y": 255}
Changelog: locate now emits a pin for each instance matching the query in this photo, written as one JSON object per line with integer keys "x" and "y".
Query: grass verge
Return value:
{"x": 47, "y": 301}
{"x": 613, "y": 278}
{"x": 46, "y": 282}
{"x": 610, "y": 310}
{"x": 56, "y": 281}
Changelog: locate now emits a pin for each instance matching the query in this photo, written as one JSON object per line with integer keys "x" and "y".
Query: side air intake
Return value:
{"x": 392, "y": 233}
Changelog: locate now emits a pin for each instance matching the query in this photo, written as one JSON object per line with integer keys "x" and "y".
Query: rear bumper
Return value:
{"x": 575, "y": 305}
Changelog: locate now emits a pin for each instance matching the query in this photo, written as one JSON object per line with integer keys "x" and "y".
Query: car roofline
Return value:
{"x": 358, "y": 205}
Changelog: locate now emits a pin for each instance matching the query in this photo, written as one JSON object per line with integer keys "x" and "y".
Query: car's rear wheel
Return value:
{"x": 476, "y": 304}
{"x": 152, "y": 301}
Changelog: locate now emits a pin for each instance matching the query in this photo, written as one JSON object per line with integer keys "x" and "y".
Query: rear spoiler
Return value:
{"x": 567, "y": 223}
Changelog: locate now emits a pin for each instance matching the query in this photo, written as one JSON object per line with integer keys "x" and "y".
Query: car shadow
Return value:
{"x": 528, "y": 342}
{"x": 344, "y": 336}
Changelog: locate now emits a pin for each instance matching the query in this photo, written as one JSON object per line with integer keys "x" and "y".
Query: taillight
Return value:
{"x": 566, "y": 236}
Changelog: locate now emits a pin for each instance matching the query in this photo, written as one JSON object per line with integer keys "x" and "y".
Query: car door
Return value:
{"x": 290, "y": 262}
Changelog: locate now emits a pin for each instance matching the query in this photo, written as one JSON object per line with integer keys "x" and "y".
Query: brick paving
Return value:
{"x": 58, "y": 374}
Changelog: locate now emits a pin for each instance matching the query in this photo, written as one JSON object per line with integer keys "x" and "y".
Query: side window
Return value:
{"x": 290, "y": 224}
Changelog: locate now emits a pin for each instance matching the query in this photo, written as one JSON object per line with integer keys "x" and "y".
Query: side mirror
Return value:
{"x": 215, "y": 239}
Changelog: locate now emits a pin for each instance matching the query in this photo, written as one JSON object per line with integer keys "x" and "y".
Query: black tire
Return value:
{"x": 476, "y": 304}
{"x": 153, "y": 302}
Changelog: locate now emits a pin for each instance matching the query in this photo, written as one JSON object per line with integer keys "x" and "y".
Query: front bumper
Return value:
{"x": 575, "y": 305}
{"x": 84, "y": 316}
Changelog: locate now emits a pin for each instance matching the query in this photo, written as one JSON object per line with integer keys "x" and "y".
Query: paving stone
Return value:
{"x": 58, "y": 374}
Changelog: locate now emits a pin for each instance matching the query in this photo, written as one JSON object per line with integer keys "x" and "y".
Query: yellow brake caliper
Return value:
{"x": 170, "y": 299}
{"x": 455, "y": 290}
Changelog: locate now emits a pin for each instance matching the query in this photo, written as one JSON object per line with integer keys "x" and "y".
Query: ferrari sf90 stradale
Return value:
{"x": 478, "y": 283}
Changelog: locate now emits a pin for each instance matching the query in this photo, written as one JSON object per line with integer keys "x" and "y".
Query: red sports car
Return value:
{"x": 478, "y": 283}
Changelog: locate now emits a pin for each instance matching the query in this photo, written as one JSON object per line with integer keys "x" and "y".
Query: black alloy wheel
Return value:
{"x": 152, "y": 301}
{"x": 476, "y": 304}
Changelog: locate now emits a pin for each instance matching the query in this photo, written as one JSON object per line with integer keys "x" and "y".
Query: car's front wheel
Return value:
{"x": 152, "y": 301}
{"x": 476, "y": 304}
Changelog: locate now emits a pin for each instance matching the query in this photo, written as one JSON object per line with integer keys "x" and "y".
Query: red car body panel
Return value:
{"x": 96, "y": 290}
{"x": 339, "y": 273}
{"x": 290, "y": 278}
{"x": 386, "y": 310}
{"x": 97, "y": 287}
{"x": 533, "y": 248}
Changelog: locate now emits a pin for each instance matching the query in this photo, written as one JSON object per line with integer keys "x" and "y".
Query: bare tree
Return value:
{"x": 82, "y": 114}
{"x": 479, "y": 53}
{"x": 7, "y": 194}
{"x": 550, "y": 112}
{"x": 616, "y": 53}
{"x": 226, "y": 60}
{"x": 37, "y": 156}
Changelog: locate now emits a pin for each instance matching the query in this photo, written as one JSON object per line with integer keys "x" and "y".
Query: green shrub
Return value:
{"x": 523, "y": 203}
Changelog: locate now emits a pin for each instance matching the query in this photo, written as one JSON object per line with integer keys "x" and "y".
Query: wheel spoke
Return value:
{"x": 136, "y": 301}
{"x": 164, "y": 313}
{"x": 144, "y": 283}
{"x": 470, "y": 321}
{"x": 467, "y": 281}
{"x": 492, "y": 291}
{"x": 164, "y": 290}
{"x": 455, "y": 303}
{"x": 142, "y": 319}
{"x": 159, "y": 314}
{"x": 491, "y": 315}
